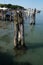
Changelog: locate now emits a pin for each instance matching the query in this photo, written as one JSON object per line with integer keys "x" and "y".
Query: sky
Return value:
{"x": 25, "y": 3}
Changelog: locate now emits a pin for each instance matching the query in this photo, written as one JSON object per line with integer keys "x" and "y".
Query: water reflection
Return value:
{"x": 7, "y": 59}
{"x": 5, "y": 38}
{"x": 19, "y": 53}
{"x": 32, "y": 28}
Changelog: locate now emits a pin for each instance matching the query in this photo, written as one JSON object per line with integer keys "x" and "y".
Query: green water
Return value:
{"x": 33, "y": 40}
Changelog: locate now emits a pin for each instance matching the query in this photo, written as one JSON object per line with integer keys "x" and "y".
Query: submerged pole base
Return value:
{"x": 32, "y": 23}
{"x": 21, "y": 47}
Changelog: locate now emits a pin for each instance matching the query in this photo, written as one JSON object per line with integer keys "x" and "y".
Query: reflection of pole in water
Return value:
{"x": 32, "y": 28}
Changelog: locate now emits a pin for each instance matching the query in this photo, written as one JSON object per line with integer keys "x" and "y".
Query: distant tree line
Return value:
{"x": 11, "y": 6}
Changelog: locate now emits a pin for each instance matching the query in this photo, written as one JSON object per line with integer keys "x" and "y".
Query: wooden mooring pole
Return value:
{"x": 18, "y": 30}
{"x": 33, "y": 16}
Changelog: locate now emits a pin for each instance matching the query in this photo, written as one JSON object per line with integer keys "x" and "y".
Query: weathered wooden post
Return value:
{"x": 32, "y": 18}
{"x": 15, "y": 29}
{"x": 19, "y": 30}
